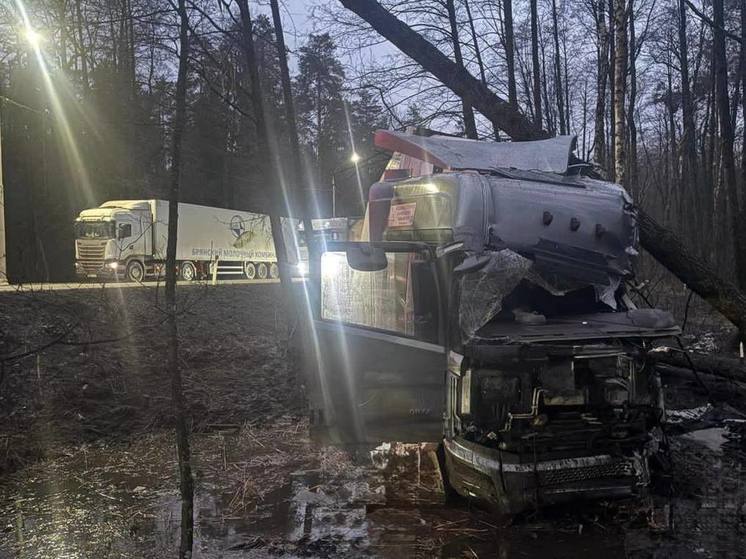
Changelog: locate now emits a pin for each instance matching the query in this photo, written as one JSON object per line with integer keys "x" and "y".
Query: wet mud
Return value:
{"x": 271, "y": 492}
{"x": 265, "y": 489}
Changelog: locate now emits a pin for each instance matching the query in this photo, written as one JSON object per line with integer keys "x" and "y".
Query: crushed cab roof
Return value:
{"x": 447, "y": 152}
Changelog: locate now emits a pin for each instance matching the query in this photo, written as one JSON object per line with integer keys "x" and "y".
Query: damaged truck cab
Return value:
{"x": 485, "y": 308}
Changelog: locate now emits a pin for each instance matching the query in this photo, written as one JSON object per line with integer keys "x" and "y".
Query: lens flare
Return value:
{"x": 70, "y": 145}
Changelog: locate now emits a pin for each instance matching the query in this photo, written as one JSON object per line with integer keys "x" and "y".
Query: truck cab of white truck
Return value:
{"x": 112, "y": 239}
{"x": 128, "y": 238}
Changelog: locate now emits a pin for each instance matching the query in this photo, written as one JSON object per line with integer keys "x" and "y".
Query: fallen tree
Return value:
{"x": 723, "y": 367}
{"x": 662, "y": 243}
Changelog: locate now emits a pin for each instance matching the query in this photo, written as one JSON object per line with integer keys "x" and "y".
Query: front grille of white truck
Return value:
{"x": 91, "y": 255}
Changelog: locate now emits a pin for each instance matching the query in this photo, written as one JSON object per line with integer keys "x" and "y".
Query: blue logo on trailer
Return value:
{"x": 237, "y": 226}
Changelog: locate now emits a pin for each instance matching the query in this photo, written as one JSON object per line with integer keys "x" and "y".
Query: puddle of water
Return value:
{"x": 713, "y": 438}
{"x": 270, "y": 494}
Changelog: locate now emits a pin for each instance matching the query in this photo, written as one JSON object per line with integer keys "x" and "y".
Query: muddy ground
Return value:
{"x": 88, "y": 459}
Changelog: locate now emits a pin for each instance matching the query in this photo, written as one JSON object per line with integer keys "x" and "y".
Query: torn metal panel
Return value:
{"x": 447, "y": 152}
{"x": 586, "y": 233}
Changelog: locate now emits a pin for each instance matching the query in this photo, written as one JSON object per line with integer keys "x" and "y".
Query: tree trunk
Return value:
{"x": 620, "y": 83}
{"x": 742, "y": 63}
{"x": 612, "y": 83}
{"x": 535, "y": 69}
{"x": 510, "y": 52}
{"x": 660, "y": 242}
{"x": 558, "y": 71}
{"x": 698, "y": 276}
{"x": 478, "y": 53}
{"x": 456, "y": 78}
{"x": 689, "y": 154}
{"x": 715, "y": 365}
{"x": 268, "y": 154}
{"x": 602, "y": 59}
{"x": 475, "y": 42}
{"x": 300, "y": 206}
{"x": 83, "y": 55}
{"x": 726, "y": 142}
{"x": 632, "y": 167}
{"x": 186, "y": 482}
{"x": 470, "y": 126}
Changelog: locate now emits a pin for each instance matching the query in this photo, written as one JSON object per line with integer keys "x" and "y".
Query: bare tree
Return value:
{"x": 470, "y": 126}
{"x": 602, "y": 73}
{"x": 535, "y": 69}
{"x": 510, "y": 51}
{"x": 620, "y": 83}
{"x": 726, "y": 140}
{"x": 186, "y": 482}
{"x": 742, "y": 62}
{"x": 300, "y": 205}
{"x": 267, "y": 149}
{"x": 689, "y": 154}
{"x": 558, "y": 71}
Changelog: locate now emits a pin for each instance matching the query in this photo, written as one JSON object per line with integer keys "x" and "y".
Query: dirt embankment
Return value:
{"x": 102, "y": 375}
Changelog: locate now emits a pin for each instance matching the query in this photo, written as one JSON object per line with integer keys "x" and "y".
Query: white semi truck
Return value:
{"x": 127, "y": 239}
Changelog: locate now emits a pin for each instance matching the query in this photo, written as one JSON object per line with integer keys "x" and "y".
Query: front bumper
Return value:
{"x": 107, "y": 270}
{"x": 503, "y": 483}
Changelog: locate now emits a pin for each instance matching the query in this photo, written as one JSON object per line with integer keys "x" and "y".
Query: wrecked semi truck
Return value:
{"x": 486, "y": 310}
{"x": 128, "y": 238}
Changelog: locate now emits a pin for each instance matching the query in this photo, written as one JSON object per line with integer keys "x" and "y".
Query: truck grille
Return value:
{"x": 618, "y": 469}
{"x": 91, "y": 255}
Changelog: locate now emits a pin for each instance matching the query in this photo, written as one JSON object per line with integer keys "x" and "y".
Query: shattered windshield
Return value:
{"x": 94, "y": 230}
{"x": 513, "y": 288}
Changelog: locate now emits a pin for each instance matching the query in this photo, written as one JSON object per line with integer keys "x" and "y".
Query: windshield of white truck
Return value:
{"x": 94, "y": 230}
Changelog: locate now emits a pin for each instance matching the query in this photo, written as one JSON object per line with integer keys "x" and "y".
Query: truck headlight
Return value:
{"x": 113, "y": 265}
{"x": 302, "y": 268}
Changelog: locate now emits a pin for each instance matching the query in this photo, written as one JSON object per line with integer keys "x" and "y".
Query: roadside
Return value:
{"x": 106, "y": 379}
{"x": 66, "y": 286}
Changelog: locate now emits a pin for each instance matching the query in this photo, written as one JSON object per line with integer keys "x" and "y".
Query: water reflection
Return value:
{"x": 270, "y": 493}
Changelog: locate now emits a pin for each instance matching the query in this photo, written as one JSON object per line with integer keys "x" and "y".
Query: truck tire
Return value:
{"x": 261, "y": 270}
{"x": 274, "y": 270}
{"x": 188, "y": 272}
{"x": 135, "y": 271}
{"x": 249, "y": 270}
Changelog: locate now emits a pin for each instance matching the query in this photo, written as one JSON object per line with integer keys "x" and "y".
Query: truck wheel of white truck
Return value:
{"x": 261, "y": 270}
{"x": 274, "y": 270}
{"x": 188, "y": 271}
{"x": 135, "y": 271}
{"x": 249, "y": 269}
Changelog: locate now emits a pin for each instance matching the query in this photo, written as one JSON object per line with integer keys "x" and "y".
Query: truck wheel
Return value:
{"x": 188, "y": 271}
{"x": 135, "y": 271}
{"x": 261, "y": 270}
{"x": 274, "y": 270}
{"x": 249, "y": 269}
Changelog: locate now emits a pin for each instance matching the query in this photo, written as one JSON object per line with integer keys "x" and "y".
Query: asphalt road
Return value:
{"x": 36, "y": 287}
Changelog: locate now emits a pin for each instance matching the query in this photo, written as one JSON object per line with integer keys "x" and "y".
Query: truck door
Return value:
{"x": 373, "y": 348}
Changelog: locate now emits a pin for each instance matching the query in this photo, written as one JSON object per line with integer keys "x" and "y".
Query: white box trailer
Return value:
{"x": 129, "y": 238}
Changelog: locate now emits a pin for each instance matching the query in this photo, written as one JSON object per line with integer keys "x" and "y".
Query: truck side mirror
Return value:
{"x": 366, "y": 258}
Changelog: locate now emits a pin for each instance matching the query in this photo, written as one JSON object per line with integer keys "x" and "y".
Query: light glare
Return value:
{"x": 33, "y": 37}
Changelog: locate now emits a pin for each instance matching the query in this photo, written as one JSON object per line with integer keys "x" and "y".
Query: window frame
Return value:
{"x": 402, "y": 247}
